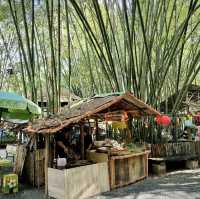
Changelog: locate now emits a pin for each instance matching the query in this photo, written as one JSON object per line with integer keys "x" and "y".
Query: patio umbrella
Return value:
{"x": 14, "y": 106}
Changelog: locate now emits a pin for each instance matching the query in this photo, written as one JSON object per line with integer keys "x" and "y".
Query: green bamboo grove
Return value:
{"x": 150, "y": 47}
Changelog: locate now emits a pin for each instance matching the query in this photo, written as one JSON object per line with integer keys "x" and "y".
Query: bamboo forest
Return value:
{"x": 89, "y": 47}
{"x": 91, "y": 87}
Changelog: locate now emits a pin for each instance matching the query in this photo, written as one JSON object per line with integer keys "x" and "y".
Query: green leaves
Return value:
{"x": 95, "y": 46}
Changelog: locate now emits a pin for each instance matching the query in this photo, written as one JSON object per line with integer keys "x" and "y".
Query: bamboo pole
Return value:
{"x": 46, "y": 164}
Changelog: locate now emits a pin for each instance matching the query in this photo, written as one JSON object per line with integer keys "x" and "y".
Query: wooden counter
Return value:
{"x": 78, "y": 183}
{"x": 124, "y": 170}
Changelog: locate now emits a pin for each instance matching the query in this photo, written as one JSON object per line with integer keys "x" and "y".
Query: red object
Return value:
{"x": 124, "y": 117}
{"x": 197, "y": 118}
{"x": 107, "y": 118}
{"x": 158, "y": 119}
{"x": 165, "y": 120}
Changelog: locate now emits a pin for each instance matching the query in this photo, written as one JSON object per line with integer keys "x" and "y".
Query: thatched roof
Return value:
{"x": 91, "y": 108}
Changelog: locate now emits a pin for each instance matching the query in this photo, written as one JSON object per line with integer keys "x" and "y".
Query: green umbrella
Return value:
{"x": 14, "y": 106}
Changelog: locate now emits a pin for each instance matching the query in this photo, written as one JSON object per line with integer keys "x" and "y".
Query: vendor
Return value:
{"x": 62, "y": 143}
{"x": 64, "y": 148}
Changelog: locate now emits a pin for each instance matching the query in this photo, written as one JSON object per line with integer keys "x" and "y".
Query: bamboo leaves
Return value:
{"x": 95, "y": 46}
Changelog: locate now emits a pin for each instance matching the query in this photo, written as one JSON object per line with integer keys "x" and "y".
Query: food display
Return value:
{"x": 135, "y": 148}
{"x": 112, "y": 147}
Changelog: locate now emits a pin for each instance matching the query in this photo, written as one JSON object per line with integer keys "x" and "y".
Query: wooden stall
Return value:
{"x": 106, "y": 171}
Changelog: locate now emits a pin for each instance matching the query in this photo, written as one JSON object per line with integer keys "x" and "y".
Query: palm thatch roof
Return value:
{"x": 93, "y": 107}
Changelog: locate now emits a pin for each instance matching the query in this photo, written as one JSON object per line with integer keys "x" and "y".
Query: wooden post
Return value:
{"x": 129, "y": 129}
{"x": 97, "y": 129}
{"x": 82, "y": 142}
{"x": 107, "y": 132}
{"x": 46, "y": 164}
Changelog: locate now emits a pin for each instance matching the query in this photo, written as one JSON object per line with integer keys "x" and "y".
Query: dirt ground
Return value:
{"x": 175, "y": 185}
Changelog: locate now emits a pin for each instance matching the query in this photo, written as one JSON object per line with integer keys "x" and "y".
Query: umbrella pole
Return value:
{"x": 0, "y": 114}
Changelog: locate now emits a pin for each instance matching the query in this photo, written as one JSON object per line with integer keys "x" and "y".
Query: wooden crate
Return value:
{"x": 78, "y": 183}
{"x": 128, "y": 169}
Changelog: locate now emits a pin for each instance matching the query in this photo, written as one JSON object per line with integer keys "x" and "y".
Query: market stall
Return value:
{"x": 117, "y": 162}
{"x": 180, "y": 142}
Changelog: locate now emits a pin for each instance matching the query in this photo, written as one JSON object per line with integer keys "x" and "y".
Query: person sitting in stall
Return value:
{"x": 62, "y": 143}
{"x": 63, "y": 146}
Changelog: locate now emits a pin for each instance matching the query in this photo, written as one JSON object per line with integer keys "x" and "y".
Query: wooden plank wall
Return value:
{"x": 20, "y": 159}
{"x": 128, "y": 170}
{"x": 176, "y": 149}
{"x": 86, "y": 181}
{"x": 56, "y": 183}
